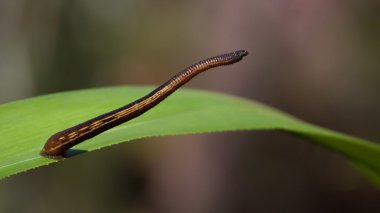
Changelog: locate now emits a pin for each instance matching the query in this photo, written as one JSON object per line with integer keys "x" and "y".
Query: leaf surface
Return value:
{"x": 26, "y": 124}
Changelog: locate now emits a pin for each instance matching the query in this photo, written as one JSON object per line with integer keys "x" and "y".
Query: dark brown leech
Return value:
{"x": 59, "y": 143}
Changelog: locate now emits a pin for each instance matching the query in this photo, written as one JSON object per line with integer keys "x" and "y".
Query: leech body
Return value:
{"x": 59, "y": 143}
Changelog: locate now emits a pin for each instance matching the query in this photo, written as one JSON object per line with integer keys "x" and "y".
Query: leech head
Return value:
{"x": 241, "y": 53}
{"x": 233, "y": 57}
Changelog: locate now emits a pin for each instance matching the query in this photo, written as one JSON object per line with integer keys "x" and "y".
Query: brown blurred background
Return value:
{"x": 317, "y": 59}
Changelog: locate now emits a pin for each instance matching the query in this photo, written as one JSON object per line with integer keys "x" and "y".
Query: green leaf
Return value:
{"x": 26, "y": 124}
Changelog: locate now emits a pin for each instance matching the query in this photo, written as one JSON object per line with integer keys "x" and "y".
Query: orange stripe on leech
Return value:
{"x": 83, "y": 128}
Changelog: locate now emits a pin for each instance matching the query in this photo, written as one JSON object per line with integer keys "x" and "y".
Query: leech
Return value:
{"x": 57, "y": 145}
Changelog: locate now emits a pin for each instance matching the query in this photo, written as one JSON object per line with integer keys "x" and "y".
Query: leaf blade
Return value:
{"x": 26, "y": 124}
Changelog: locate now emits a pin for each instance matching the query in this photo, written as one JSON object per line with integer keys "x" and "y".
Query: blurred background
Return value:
{"x": 316, "y": 59}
